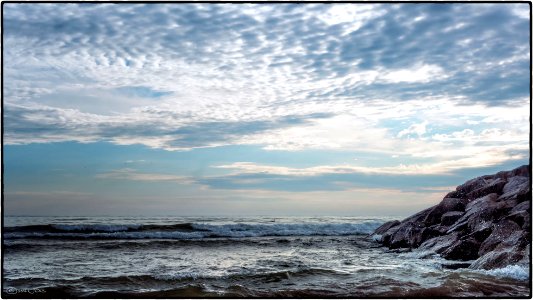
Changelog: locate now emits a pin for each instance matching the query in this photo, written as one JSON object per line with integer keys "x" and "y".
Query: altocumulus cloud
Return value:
{"x": 286, "y": 77}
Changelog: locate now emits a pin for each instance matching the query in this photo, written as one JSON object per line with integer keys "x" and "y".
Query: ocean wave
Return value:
{"x": 81, "y": 228}
{"x": 187, "y": 230}
{"x": 513, "y": 271}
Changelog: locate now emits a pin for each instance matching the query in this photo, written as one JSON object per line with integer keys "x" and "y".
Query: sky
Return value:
{"x": 259, "y": 109}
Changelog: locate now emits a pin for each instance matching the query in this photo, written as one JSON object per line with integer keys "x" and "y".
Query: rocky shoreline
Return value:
{"x": 485, "y": 222}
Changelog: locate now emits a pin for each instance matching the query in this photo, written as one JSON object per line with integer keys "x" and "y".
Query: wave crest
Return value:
{"x": 187, "y": 230}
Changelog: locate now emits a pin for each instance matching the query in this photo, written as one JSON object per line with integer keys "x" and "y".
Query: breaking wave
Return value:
{"x": 513, "y": 271}
{"x": 186, "y": 230}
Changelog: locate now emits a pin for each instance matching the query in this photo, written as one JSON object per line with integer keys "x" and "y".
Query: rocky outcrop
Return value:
{"x": 486, "y": 220}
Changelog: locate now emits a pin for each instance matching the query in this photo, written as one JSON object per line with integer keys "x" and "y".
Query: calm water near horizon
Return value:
{"x": 229, "y": 257}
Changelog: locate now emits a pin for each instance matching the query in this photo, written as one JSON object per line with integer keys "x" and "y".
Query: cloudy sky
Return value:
{"x": 286, "y": 109}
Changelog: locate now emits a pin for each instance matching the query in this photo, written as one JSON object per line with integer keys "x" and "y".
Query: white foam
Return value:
{"x": 513, "y": 271}
{"x": 377, "y": 237}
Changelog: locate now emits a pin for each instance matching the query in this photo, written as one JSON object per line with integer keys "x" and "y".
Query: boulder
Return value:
{"x": 446, "y": 205}
{"x": 478, "y": 183}
{"x": 462, "y": 249}
{"x": 481, "y": 220}
{"x": 430, "y": 232}
{"x": 481, "y": 234}
{"x": 450, "y": 217}
{"x": 383, "y": 228}
{"x": 408, "y": 235}
{"x": 477, "y": 215}
{"x": 524, "y": 194}
{"x": 502, "y": 257}
{"x": 521, "y": 171}
{"x": 463, "y": 190}
{"x": 481, "y": 202}
{"x": 495, "y": 186}
{"x": 516, "y": 189}
{"x": 441, "y": 229}
{"x": 522, "y": 218}
{"x": 526, "y": 206}
{"x": 500, "y": 233}
{"x": 508, "y": 204}
{"x": 439, "y": 244}
{"x": 515, "y": 183}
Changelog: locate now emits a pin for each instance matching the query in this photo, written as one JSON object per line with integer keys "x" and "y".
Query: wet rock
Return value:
{"x": 481, "y": 202}
{"x": 446, "y": 205}
{"x": 524, "y": 194}
{"x": 500, "y": 233}
{"x": 495, "y": 186}
{"x": 482, "y": 220}
{"x": 383, "y": 228}
{"x": 450, "y": 217}
{"x": 526, "y": 206}
{"x": 473, "y": 184}
{"x": 521, "y": 171}
{"x": 501, "y": 257}
{"x": 439, "y": 244}
{"x": 478, "y": 214}
{"x": 441, "y": 229}
{"x": 480, "y": 235}
{"x": 428, "y": 233}
{"x": 516, "y": 189}
{"x": 508, "y": 204}
{"x": 466, "y": 249}
{"x": 408, "y": 235}
{"x": 514, "y": 184}
{"x": 521, "y": 214}
{"x": 522, "y": 218}
{"x": 433, "y": 231}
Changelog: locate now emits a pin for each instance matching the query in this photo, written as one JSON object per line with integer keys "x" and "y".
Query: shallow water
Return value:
{"x": 227, "y": 257}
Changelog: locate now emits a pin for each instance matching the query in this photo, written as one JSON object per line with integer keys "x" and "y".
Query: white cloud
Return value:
{"x": 134, "y": 175}
{"x": 418, "y": 129}
{"x": 468, "y": 136}
{"x": 420, "y": 73}
{"x": 485, "y": 159}
{"x": 130, "y": 161}
{"x": 521, "y": 10}
{"x": 352, "y": 17}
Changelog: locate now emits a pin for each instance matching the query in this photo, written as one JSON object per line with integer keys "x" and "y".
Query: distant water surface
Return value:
{"x": 228, "y": 257}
